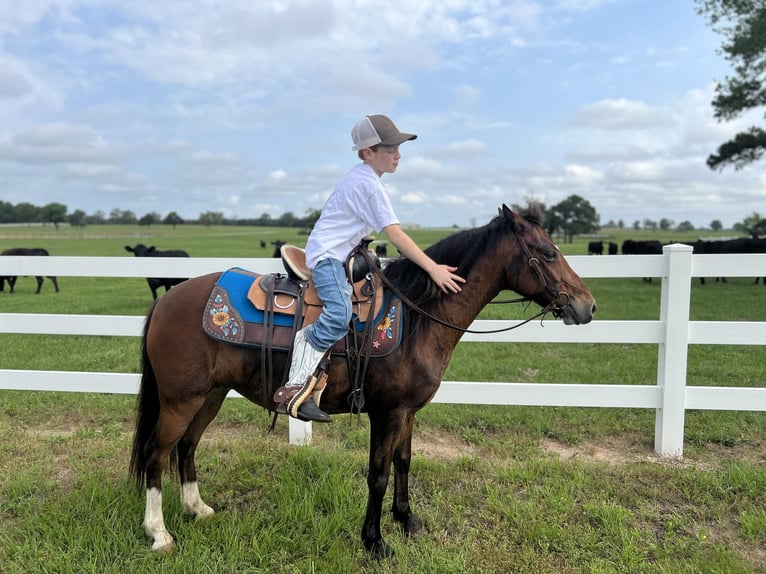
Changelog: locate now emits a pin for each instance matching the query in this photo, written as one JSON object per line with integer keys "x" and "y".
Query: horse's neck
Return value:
{"x": 461, "y": 309}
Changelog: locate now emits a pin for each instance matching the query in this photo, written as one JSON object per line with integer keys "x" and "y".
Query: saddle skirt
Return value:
{"x": 250, "y": 309}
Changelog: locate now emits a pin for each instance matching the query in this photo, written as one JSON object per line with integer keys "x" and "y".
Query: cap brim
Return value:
{"x": 398, "y": 139}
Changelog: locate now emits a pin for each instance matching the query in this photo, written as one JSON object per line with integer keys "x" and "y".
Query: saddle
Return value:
{"x": 265, "y": 311}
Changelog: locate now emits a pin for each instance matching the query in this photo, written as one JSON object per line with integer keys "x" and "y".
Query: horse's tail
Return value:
{"x": 147, "y": 410}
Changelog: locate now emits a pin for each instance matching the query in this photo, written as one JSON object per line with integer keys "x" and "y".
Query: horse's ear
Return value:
{"x": 507, "y": 213}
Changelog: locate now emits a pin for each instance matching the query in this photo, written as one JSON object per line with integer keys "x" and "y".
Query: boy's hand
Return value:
{"x": 445, "y": 278}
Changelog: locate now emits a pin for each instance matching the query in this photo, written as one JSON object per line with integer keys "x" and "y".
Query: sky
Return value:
{"x": 245, "y": 107}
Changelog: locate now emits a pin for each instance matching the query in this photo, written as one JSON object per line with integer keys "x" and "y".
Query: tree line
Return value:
{"x": 568, "y": 218}
{"x": 58, "y": 213}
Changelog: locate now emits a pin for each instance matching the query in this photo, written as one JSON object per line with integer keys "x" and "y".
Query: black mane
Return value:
{"x": 461, "y": 250}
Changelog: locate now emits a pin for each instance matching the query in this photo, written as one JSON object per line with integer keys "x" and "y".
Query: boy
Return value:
{"x": 359, "y": 204}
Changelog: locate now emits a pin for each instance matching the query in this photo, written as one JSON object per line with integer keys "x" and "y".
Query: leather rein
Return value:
{"x": 553, "y": 307}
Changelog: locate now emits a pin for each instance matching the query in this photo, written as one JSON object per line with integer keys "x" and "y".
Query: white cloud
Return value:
{"x": 619, "y": 114}
{"x": 194, "y": 106}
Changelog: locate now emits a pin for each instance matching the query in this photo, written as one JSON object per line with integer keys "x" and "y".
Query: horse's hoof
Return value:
{"x": 163, "y": 544}
{"x": 412, "y": 525}
{"x": 204, "y": 513}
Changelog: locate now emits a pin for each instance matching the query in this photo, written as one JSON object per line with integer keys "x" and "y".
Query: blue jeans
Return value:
{"x": 334, "y": 290}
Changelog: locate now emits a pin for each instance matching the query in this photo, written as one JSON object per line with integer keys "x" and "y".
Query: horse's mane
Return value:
{"x": 462, "y": 250}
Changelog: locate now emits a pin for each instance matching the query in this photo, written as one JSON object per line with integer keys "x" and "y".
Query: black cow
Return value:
{"x": 381, "y": 250}
{"x": 277, "y": 246}
{"x": 155, "y": 283}
{"x": 263, "y": 244}
{"x": 613, "y": 248}
{"x": 630, "y": 247}
{"x": 11, "y": 279}
{"x": 596, "y": 248}
{"x": 738, "y": 245}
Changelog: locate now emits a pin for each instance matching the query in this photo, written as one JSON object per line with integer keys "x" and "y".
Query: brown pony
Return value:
{"x": 186, "y": 374}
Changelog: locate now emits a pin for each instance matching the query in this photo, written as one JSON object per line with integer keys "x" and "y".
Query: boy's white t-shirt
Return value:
{"x": 359, "y": 204}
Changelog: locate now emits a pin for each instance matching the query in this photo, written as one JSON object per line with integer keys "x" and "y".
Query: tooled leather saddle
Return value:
{"x": 264, "y": 311}
{"x": 253, "y": 310}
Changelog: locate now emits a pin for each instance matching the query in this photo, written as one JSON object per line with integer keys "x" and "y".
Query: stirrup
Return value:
{"x": 299, "y": 402}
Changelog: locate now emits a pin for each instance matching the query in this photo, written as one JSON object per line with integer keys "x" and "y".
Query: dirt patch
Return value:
{"x": 624, "y": 450}
{"x": 613, "y": 451}
{"x": 443, "y": 446}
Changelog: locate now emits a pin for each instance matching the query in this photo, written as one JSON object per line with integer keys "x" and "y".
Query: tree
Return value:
{"x": 54, "y": 213}
{"x": 211, "y": 218}
{"x": 685, "y": 226}
{"x": 173, "y": 219}
{"x": 754, "y": 225}
{"x": 650, "y": 224}
{"x": 150, "y": 219}
{"x": 716, "y": 225}
{"x": 98, "y": 218}
{"x": 7, "y": 212}
{"x": 573, "y": 216}
{"x": 743, "y": 25}
{"x": 122, "y": 217}
{"x": 287, "y": 219}
{"x": 78, "y": 218}
{"x": 27, "y": 213}
{"x": 312, "y": 215}
{"x": 666, "y": 223}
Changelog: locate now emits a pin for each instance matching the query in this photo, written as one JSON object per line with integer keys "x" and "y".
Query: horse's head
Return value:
{"x": 541, "y": 273}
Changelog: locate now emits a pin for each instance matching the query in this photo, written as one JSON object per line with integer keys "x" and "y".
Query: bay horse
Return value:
{"x": 186, "y": 374}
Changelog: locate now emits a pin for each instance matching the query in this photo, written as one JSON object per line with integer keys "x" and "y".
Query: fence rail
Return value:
{"x": 673, "y": 332}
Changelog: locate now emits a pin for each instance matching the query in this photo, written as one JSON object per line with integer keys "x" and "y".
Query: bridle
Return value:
{"x": 555, "y": 307}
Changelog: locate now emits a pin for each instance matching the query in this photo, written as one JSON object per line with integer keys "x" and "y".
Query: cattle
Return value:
{"x": 613, "y": 247}
{"x": 155, "y": 283}
{"x": 263, "y": 244}
{"x": 737, "y": 245}
{"x": 630, "y": 247}
{"x": 381, "y": 250}
{"x": 11, "y": 279}
{"x": 596, "y": 248}
{"x": 277, "y": 247}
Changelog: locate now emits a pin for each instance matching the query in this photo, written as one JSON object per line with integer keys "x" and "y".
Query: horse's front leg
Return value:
{"x": 384, "y": 436}
{"x": 402, "y": 457}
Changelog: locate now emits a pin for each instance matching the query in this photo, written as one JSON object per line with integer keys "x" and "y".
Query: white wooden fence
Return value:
{"x": 672, "y": 332}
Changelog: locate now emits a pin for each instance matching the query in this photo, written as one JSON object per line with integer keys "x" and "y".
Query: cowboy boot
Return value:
{"x": 305, "y": 361}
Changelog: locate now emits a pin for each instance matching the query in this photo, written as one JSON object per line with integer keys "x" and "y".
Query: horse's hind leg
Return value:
{"x": 187, "y": 471}
{"x": 402, "y": 457}
{"x": 171, "y": 427}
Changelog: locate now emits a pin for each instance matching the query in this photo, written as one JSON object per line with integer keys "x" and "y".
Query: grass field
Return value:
{"x": 500, "y": 489}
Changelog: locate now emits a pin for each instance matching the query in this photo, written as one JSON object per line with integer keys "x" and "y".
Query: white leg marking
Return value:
{"x": 191, "y": 501}
{"x": 154, "y": 523}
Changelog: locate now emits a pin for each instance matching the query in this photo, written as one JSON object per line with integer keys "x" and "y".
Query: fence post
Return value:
{"x": 299, "y": 432}
{"x": 671, "y": 364}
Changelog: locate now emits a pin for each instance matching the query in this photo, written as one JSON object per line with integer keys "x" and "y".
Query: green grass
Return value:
{"x": 500, "y": 489}
{"x": 495, "y": 503}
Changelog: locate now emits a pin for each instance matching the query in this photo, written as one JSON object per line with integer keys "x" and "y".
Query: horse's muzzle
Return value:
{"x": 574, "y": 313}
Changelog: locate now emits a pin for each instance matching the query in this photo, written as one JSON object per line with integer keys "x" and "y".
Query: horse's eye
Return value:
{"x": 549, "y": 255}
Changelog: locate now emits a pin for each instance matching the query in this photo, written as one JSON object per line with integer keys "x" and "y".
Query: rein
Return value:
{"x": 533, "y": 262}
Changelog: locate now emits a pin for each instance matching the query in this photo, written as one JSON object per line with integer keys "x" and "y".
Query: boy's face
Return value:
{"x": 383, "y": 160}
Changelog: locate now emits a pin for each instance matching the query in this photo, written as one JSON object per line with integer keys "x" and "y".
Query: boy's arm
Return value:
{"x": 442, "y": 275}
